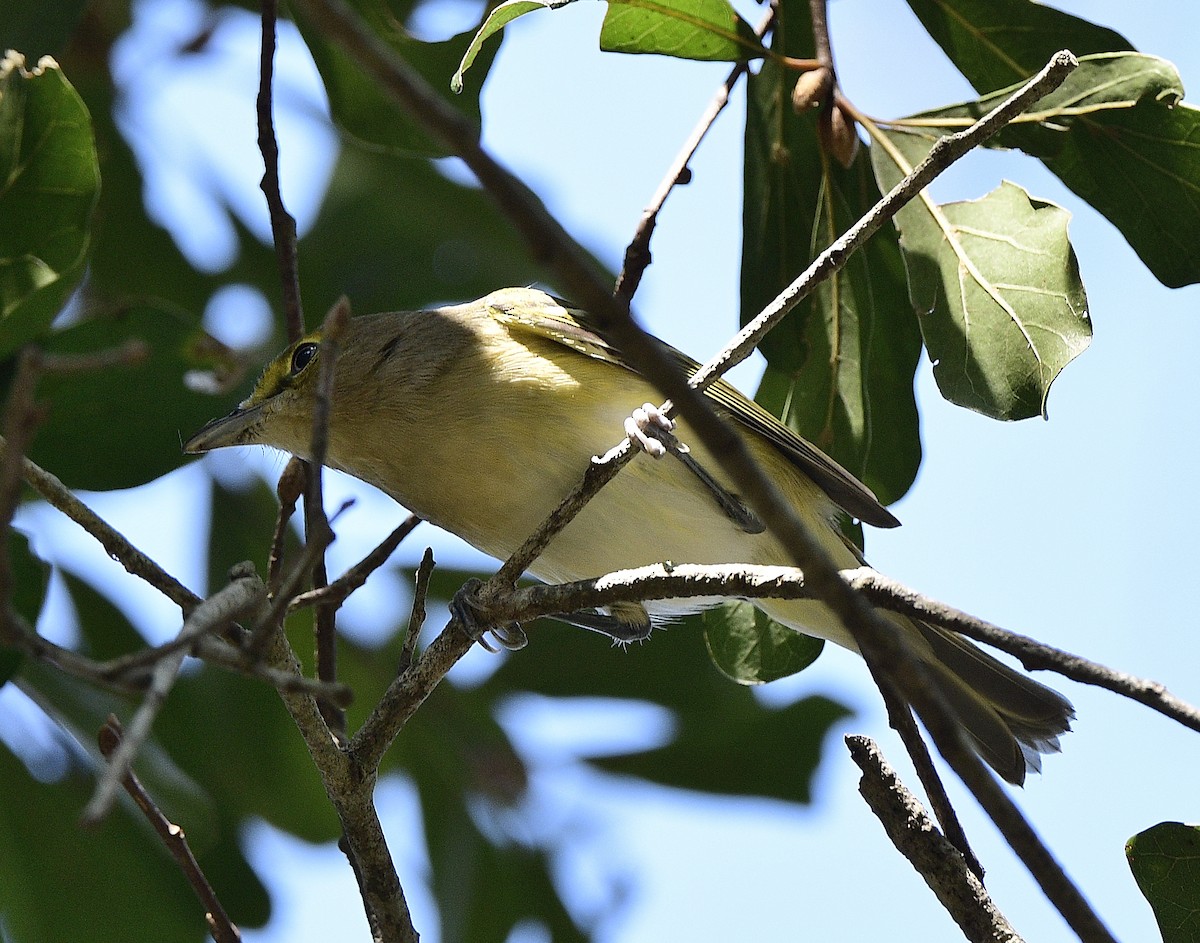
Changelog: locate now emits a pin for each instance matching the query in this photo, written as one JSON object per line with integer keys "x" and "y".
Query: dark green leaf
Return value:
{"x": 686, "y": 29}
{"x": 122, "y": 425}
{"x": 740, "y": 750}
{"x": 996, "y": 287}
{"x": 121, "y": 877}
{"x": 1115, "y": 133}
{"x": 51, "y": 183}
{"x": 363, "y": 110}
{"x": 487, "y": 884}
{"x": 841, "y": 364}
{"x": 996, "y": 43}
{"x": 30, "y": 576}
{"x": 1165, "y": 860}
{"x": 752, "y": 648}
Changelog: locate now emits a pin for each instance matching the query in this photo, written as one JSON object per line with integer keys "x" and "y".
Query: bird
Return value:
{"x": 480, "y": 417}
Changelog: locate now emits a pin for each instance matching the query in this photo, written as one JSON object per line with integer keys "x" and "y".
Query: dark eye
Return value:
{"x": 302, "y": 356}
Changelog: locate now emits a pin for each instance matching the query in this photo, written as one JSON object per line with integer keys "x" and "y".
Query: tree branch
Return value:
{"x": 173, "y": 839}
{"x": 935, "y": 859}
{"x": 222, "y": 608}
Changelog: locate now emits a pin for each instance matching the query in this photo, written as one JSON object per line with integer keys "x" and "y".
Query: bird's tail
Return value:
{"x": 1010, "y": 718}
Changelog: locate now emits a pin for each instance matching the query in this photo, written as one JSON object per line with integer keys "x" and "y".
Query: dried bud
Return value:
{"x": 812, "y": 90}
{"x": 839, "y": 137}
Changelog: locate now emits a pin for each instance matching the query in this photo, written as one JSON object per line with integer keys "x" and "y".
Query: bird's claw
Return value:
{"x": 649, "y": 430}
{"x": 468, "y": 610}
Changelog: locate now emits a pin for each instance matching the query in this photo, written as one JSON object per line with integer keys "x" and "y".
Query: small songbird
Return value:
{"x": 481, "y": 417}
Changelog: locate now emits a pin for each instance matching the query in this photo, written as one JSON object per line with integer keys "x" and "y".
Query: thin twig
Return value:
{"x": 316, "y": 525}
{"x": 901, "y": 718}
{"x": 288, "y": 489}
{"x": 1034, "y": 655}
{"x": 637, "y": 253}
{"x": 129, "y": 354}
{"x": 21, "y": 417}
{"x": 416, "y": 618}
{"x": 336, "y": 592}
{"x": 818, "y": 11}
{"x": 135, "y": 562}
{"x": 283, "y": 224}
{"x": 220, "y": 926}
{"x": 214, "y": 651}
{"x": 935, "y": 859}
{"x": 222, "y": 608}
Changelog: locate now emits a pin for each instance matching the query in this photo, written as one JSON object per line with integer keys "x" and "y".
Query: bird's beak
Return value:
{"x": 238, "y": 428}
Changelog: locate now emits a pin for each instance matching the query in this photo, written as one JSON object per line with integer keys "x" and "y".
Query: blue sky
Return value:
{"x": 1079, "y": 531}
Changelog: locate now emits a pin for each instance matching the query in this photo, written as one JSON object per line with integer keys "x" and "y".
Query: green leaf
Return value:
{"x": 752, "y": 648}
{"x": 686, "y": 29}
{"x": 996, "y": 43}
{"x": 1165, "y": 861}
{"x": 29, "y": 575}
{"x": 363, "y": 110}
{"x": 500, "y": 16}
{"x": 51, "y": 184}
{"x": 1116, "y": 134}
{"x": 995, "y": 285}
{"x": 841, "y": 364}
{"x": 121, "y": 426}
{"x": 121, "y": 877}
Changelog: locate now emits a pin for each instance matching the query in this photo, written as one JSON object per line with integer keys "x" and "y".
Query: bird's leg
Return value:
{"x": 653, "y": 433}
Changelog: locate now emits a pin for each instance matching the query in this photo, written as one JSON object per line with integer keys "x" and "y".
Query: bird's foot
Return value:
{"x": 467, "y": 608}
{"x": 649, "y": 430}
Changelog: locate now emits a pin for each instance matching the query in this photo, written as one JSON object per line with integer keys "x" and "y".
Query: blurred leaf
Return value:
{"x": 360, "y": 106}
{"x": 752, "y": 648}
{"x": 428, "y": 239}
{"x": 1116, "y": 134}
{"x": 30, "y": 576}
{"x": 995, "y": 285}
{"x": 483, "y": 888}
{"x": 841, "y": 364}
{"x": 51, "y": 182}
{"x": 38, "y": 29}
{"x": 727, "y": 741}
{"x": 996, "y": 43}
{"x": 1165, "y": 861}
{"x": 686, "y": 29}
{"x": 122, "y": 426}
{"x": 121, "y": 877}
{"x": 740, "y": 750}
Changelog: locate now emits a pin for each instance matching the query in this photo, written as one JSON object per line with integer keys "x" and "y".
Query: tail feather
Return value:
{"x": 1011, "y": 718}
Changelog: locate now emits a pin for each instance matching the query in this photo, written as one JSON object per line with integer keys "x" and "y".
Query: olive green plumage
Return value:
{"x": 481, "y": 417}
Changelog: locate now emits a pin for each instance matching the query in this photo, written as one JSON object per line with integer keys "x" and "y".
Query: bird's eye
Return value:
{"x": 302, "y": 356}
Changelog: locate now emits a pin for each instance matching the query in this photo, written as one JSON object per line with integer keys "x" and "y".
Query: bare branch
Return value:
{"x": 283, "y": 224}
{"x": 336, "y": 592}
{"x": 222, "y": 608}
{"x": 1035, "y": 655}
{"x": 416, "y": 618}
{"x": 935, "y": 859}
{"x": 135, "y": 562}
{"x": 316, "y": 525}
{"x": 637, "y": 253}
{"x": 173, "y": 838}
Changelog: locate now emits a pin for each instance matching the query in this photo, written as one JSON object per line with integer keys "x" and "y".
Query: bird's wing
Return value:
{"x": 538, "y": 313}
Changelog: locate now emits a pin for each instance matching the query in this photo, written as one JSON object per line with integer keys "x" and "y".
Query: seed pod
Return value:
{"x": 812, "y": 90}
{"x": 839, "y": 136}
